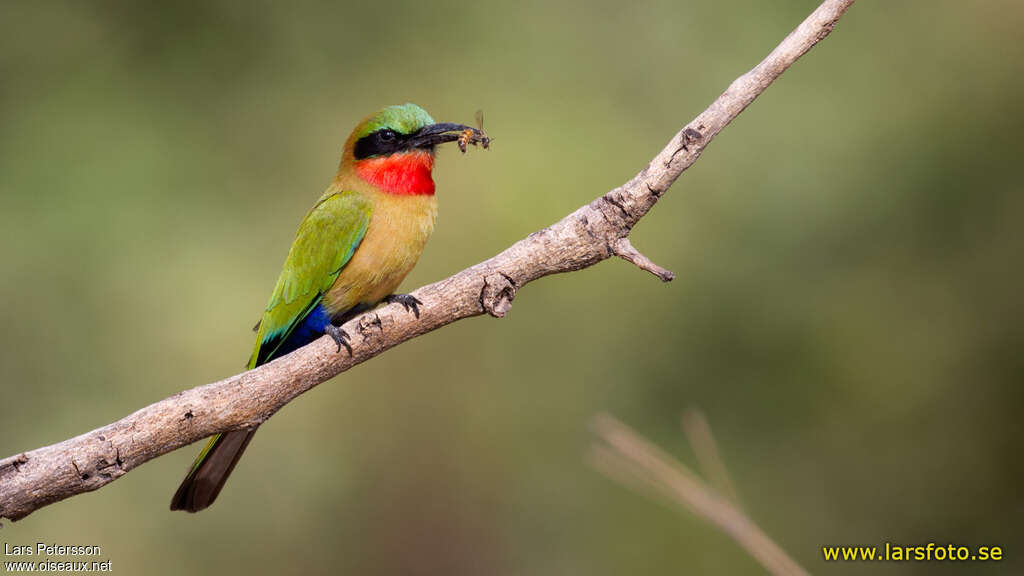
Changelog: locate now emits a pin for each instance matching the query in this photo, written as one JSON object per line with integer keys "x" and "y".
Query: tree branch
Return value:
{"x": 31, "y": 480}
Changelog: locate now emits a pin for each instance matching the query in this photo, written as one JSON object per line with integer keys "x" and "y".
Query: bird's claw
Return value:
{"x": 408, "y": 301}
{"x": 340, "y": 337}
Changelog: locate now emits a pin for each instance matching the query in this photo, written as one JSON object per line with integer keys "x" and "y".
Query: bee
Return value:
{"x": 471, "y": 136}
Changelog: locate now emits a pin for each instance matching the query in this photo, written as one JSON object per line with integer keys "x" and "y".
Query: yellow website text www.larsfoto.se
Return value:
{"x": 898, "y": 553}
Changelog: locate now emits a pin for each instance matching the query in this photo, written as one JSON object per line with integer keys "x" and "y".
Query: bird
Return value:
{"x": 350, "y": 253}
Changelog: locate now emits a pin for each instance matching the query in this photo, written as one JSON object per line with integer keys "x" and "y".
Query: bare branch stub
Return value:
{"x": 497, "y": 294}
{"x": 589, "y": 235}
{"x": 625, "y": 250}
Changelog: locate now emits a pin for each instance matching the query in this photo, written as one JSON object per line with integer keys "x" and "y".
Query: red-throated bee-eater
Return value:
{"x": 351, "y": 252}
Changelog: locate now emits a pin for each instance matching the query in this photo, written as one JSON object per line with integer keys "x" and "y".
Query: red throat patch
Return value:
{"x": 403, "y": 174}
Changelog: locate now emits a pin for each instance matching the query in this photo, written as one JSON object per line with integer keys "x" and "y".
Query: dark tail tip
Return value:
{"x": 207, "y": 477}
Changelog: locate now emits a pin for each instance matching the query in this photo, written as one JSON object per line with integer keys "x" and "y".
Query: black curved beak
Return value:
{"x": 442, "y": 132}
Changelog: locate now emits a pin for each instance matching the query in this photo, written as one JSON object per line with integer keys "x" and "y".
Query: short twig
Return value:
{"x": 625, "y": 250}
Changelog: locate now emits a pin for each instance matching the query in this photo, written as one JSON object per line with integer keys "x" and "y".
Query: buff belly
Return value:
{"x": 398, "y": 231}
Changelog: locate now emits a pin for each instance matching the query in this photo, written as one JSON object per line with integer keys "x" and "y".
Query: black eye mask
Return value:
{"x": 387, "y": 141}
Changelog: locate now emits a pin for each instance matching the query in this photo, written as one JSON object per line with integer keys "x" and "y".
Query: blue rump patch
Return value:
{"x": 311, "y": 328}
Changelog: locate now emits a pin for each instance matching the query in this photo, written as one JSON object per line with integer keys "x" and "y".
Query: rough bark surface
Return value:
{"x": 595, "y": 232}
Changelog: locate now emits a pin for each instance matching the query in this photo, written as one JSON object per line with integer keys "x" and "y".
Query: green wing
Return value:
{"x": 326, "y": 240}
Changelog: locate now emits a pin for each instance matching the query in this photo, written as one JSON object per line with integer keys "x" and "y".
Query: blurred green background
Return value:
{"x": 847, "y": 310}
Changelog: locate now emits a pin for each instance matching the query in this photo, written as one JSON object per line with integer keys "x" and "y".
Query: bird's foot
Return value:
{"x": 408, "y": 301}
{"x": 340, "y": 337}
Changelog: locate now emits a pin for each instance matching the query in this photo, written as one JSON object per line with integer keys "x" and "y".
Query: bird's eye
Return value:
{"x": 387, "y": 135}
